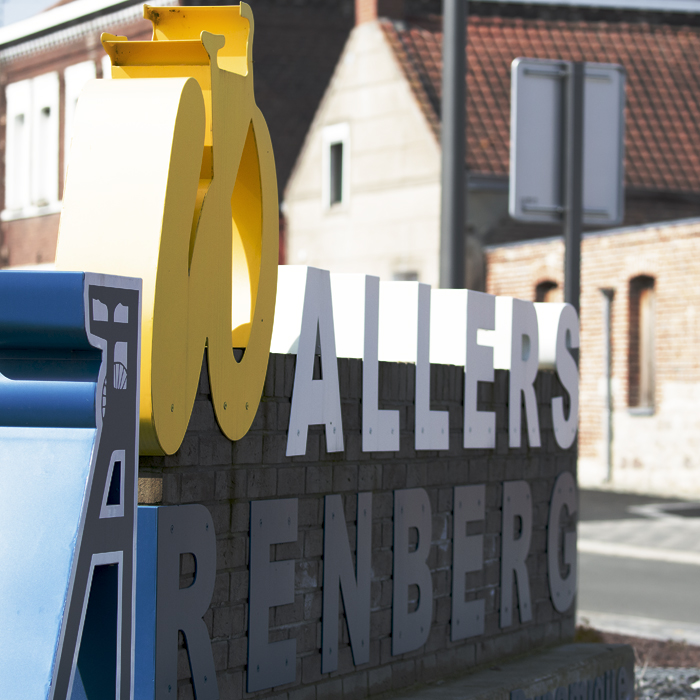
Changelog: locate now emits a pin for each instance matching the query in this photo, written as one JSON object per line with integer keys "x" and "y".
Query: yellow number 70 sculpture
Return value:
{"x": 171, "y": 178}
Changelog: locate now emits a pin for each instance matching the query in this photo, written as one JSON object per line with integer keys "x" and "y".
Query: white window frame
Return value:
{"x": 331, "y": 135}
{"x": 44, "y": 159}
{"x": 74, "y": 78}
{"x": 31, "y": 159}
{"x": 17, "y": 170}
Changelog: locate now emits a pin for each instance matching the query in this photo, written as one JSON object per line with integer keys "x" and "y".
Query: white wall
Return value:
{"x": 389, "y": 224}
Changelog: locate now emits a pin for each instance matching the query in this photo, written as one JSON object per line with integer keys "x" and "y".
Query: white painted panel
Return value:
{"x": 349, "y": 314}
{"x": 448, "y": 326}
{"x": 398, "y": 321}
{"x": 289, "y": 307}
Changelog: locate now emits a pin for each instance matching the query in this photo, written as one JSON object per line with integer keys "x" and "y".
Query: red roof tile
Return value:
{"x": 663, "y": 87}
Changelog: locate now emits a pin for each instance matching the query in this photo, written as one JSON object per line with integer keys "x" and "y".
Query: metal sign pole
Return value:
{"x": 608, "y": 295}
{"x": 453, "y": 209}
{"x": 573, "y": 182}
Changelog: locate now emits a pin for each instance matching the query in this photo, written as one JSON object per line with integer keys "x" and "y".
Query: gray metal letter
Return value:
{"x": 523, "y": 372}
{"x": 598, "y": 688}
{"x": 517, "y": 503}
{"x": 183, "y": 530}
{"x": 577, "y": 691}
{"x": 624, "y": 685}
{"x": 609, "y": 685}
{"x": 271, "y": 584}
{"x": 338, "y": 574}
{"x": 562, "y": 590}
{"x": 410, "y": 630}
{"x": 467, "y": 555}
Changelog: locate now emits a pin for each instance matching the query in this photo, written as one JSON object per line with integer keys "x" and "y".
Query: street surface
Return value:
{"x": 639, "y": 565}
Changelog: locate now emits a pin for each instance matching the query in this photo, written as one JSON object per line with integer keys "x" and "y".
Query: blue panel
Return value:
{"x": 47, "y": 404}
{"x": 43, "y": 474}
{"x": 48, "y": 369}
{"x": 146, "y": 580}
{"x": 78, "y": 688}
{"x": 42, "y": 310}
{"x": 50, "y": 366}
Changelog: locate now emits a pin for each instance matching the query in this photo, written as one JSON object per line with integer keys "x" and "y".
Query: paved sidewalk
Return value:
{"x": 640, "y": 626}
{"x": 639, "y": 566}
{"x": 670, "y": 539}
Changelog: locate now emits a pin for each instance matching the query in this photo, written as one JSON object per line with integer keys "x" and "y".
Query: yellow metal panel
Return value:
{"x": 171, "y": 178}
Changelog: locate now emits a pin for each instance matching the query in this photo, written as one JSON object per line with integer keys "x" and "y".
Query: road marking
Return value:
{"x": 640, "y": 626}
{"x": 630, "y": 551}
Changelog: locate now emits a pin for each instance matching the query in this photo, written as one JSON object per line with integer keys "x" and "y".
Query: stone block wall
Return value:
{"x": 226, "y": 477}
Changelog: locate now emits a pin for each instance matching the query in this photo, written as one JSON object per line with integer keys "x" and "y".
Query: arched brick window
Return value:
{"x": 547, "y": 291}
{"x": 641, "y": 369}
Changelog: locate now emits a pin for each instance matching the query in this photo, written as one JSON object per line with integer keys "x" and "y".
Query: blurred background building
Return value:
{"x": 365, "y": 196}
{"x": 365, "y": 192}
{"x": 351, "y": 91}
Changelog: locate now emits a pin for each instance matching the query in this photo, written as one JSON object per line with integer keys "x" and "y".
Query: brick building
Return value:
{"x": 641, "y": 283}
{"x": 46, "y": 59}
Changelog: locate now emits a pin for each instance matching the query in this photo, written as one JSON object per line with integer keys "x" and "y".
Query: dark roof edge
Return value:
{"x": 613, "y": 11}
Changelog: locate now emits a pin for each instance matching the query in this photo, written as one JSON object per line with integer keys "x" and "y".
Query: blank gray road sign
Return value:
{"x": 536, "y": 141}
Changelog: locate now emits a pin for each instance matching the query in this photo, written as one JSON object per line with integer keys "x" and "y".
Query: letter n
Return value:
{"x": 338, "y": 574}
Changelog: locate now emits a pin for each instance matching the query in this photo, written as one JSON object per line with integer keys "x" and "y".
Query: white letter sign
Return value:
{"x": 356, "y": 320}
{"x": 314, "y": 401}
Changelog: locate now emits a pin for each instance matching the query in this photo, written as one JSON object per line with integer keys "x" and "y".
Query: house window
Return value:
{"x": 335, "y": 165}
{"x": 405, "y": 276}
{"x": 336, "y": 173}
{"x": 75, "y": 77}
{"x": 547, "y": 291}
{"x": 31, "y": 158}
{"x": 641, "y": 370}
